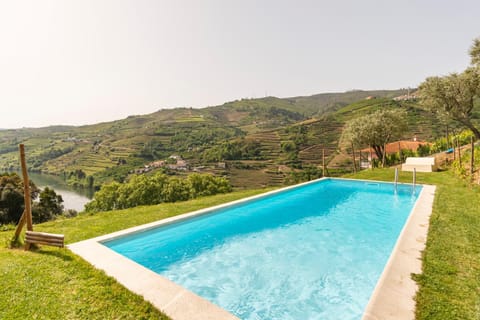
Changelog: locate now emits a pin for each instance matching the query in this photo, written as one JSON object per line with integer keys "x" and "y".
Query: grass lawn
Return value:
{"x": 53, "y": 283}
{"x": 450, "y": 282}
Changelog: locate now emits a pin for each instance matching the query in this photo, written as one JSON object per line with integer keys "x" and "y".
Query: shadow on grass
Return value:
{"x": 61, "y": 253}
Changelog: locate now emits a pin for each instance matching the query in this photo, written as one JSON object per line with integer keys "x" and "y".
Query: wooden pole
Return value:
{"x": 27, "y": 213}
{"x": 20, "y": 224}
{"x": 26, "y": 189}
{"x": 323, "y": 162}
{"x": 400, "y": 152}
{"x": 472, "y": 157}
{"x": 459, "y": 154}
{"x": 354, "y": 160}
{"x": 371, "y": 159}
{"x": 448, "y": 143}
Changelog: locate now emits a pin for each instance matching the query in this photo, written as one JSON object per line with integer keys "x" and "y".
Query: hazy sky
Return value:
{"x": 86, "y": 61}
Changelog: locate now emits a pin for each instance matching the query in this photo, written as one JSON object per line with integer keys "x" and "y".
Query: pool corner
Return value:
{"x": 168, "y": 297}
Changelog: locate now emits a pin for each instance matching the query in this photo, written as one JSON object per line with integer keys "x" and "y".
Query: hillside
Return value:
{"x": 256, "y": 142}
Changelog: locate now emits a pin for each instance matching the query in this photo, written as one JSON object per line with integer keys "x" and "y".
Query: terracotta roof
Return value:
{"x": 392, "y": 147}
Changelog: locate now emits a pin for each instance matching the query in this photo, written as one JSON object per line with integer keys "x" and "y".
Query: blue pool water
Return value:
{"x": 311, "y": 252}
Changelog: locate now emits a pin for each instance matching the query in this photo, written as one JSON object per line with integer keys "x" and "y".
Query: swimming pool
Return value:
{"x": 311, "y": 252}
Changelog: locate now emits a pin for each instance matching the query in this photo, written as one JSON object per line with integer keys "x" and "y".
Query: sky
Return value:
{"x": 87, "y": 61}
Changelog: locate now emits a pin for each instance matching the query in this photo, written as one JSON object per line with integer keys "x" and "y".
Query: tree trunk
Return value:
{"x": 470, "y": 126}
{"x": 354, "y": 160}
{"x": 378, "y": 151}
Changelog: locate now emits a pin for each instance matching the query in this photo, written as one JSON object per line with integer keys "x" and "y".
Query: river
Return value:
{"x": 72, "y": 198}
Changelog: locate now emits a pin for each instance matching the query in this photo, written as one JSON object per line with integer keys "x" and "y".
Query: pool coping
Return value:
{"x": 394, "y": 295}
{"x": 181, "y": 304}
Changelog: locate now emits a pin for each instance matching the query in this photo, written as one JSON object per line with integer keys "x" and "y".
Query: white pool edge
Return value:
{"x": 394, "y": 295}
{"x": 172, "y": 299}
{"x": 181, "y": 304}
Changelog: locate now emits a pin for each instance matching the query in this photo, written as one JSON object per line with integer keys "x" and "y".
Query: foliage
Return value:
{"x": 289, "y": 146}
{"x": 441, "y": 144}
{"x": 475, "y": 52}
{"x": 308, "y": 173}
{"x": 70, "y": 213}
{"x": 50, "y": 154}
{"x": 50, "y": 206}
{"x": 424, "y": 150}
{"x": 242, "y": 149}
{"x": 157, "y": 188}
{"x": 12, "y": 201}
{"x": 375, "y": 130}
{"x": 454, "y": 95}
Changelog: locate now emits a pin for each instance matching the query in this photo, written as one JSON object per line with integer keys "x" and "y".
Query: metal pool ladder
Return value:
{"x": 414, "y": 182}
{"x": 396, "y": 179}
{"x": 414, "y": 179}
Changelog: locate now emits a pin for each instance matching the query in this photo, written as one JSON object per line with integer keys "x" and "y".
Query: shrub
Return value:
{"x": 155, "y": 189}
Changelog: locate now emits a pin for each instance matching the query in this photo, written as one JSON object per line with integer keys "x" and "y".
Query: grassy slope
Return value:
{"x": 450, "y": 283}
{"x": 53, "y": 283}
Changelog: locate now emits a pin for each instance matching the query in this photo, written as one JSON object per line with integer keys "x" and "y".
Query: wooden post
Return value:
{"x": 27, "y": 213}
{"x": 448, "y": 143}
{"x": 414, "y": 178}
{"x": 459, "y": 153}
{"x": 400, "y": 152}
{"x": 323, "y": 163}
{"x": 360, "y": 160}
{"x": 472, "y": 157}
{"x": 354, "y": 160}
{"x": 371, "y": 159}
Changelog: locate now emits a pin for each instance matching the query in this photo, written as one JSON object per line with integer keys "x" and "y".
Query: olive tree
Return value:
{"x": 375, "y": 130}
{"x": 475, "y": 52}
{"x": 455, "y": 96}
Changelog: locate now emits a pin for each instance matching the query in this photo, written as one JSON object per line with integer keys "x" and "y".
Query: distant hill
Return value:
{"x": 257, "y": 141}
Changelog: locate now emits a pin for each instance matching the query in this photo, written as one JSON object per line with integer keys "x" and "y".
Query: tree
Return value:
{"x": 49, "y": 207}
{"x": 105, "y": 199}
{"x": 375, "y": 130}
{"x": 11, "y": 197}
{"x": 453, "y": 95}
{"x": 475, "y": 52}
{"x": 154, "y": 189}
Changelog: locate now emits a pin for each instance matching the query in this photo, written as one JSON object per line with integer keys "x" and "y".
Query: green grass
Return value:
{"x": 450, "y": 282}
{"x": 51, "y": 283}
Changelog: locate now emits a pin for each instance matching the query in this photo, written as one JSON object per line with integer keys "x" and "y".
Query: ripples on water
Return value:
{"x": 311, "y": 253}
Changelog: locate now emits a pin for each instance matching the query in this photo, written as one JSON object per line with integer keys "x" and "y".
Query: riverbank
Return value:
{"x": 73, "y": 198}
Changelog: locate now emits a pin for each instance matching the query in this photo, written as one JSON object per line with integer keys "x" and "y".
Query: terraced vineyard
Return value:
{"x": 269, "y": 144}
{"x": 281, "y": 135}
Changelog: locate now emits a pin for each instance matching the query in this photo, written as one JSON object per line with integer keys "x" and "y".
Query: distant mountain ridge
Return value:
{"x": 260, "y": 134}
